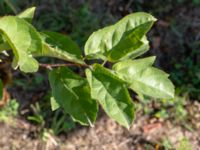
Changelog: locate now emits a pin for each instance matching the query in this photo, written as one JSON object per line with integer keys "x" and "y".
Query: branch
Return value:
{"x": 50, "y": 66}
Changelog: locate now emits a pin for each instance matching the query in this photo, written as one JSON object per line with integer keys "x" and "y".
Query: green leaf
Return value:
{"x": 54, "y": 104}
{"x": 130, "y": 43}
{"x": 139, "y": 51}
{"x": 28, "y": 14}
{"x": 72, "y": 93}
{"x": 153, "y": 82}
{"x": 121, "y": 39}
{"x": 1, "y": 39}
{"x": 60, "y": 46}
{"x": 23, "y": 39}
{"x": 3, "y": 45}
{"x": 144, "y": 79}
{"x": 127, "y": 68}
{"x": 112, "y": 94}
{"x": 1, "y": 89}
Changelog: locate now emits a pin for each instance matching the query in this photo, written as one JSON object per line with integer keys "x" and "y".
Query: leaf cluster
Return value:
{"x": 120, "y": 44}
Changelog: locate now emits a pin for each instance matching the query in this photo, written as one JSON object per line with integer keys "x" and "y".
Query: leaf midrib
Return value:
{"x": 115, "y": 103}
{"x": 151, "y": 86}
{"x": 77, "y": 98}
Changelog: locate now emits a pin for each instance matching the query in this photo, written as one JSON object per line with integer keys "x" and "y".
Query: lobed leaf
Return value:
{"x": 112, "y": 94}
{"x": 72, "y": 93}
{"x": 119, "y": 40}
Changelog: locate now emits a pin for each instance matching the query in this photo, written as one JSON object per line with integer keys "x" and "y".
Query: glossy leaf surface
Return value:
{"x": 142, "y": 78}
{"x": 23, "y": 39}
{"x": 127, "y": 68}
{"x": 154, "y": 83}
{"x": 112, "y": 94}
{"x": 60, "y": 46}
{"x": 116, "y": 41}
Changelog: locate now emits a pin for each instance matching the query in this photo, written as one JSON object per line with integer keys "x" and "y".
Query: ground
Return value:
{"x": 145, "y": 133}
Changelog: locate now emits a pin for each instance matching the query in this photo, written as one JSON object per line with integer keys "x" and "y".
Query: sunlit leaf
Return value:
{"x": 54, "y": 104}
{"x": 23, "y": 39}
{"x": 27, "y": 14}
{"x": 127, "y": 68}
{"x": 144, "y": 79}
{"x": 112, "y": 94}
{"x": 153, "y": 82}
{"x": 119, "y": 40}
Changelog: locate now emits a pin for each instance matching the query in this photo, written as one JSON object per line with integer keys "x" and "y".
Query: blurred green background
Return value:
{"x": 175, "y": 38}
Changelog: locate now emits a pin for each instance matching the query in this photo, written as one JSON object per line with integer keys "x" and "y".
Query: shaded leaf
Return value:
{"x": 1, "y": 89}
{"x": 72, "y": 93}
{"x": 129, "y": 43}
{"x": 139, "y": 51}
{"x": 111, "y": 93}
{"x": 60, "y": 46}
{"x": 3, "y": 45}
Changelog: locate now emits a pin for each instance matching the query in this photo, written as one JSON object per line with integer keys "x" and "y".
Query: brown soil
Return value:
{"x": 145, "y": 133}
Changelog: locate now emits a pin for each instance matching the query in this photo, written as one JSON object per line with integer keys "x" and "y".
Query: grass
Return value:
{"x": 9, "y": 111}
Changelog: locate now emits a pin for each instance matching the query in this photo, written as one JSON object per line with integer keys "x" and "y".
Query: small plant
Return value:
{"x": 80, "y": 95}
{"x": 185, "y": 144}
{"x": 60, "y": 122}
{"x": 167, "y": 144}
{"x": 9, "y": 111}
{"x": 38, "y": 116}
{"x": 174, "y": 108}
